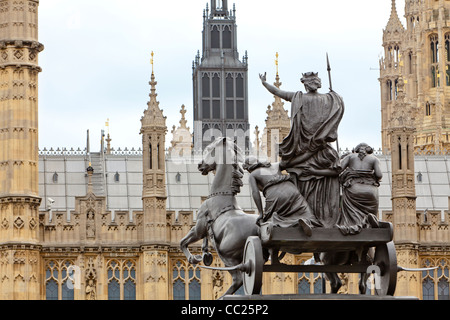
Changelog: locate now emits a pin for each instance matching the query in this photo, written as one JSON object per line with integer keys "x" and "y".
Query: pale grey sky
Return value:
{"x": 96, "y": 62}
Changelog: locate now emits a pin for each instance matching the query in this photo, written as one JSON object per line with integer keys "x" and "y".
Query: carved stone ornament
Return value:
{"x": 19, "y": 223}
{"x": 5, "y": 224}
{"x": 91, "y": 280}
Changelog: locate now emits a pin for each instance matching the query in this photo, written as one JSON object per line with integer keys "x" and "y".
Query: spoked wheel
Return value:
{"x": 386, "y": 259}
{"x": 253, "y": 262}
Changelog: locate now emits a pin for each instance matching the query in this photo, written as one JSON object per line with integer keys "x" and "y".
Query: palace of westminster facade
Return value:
{"x": 107, "y": 225}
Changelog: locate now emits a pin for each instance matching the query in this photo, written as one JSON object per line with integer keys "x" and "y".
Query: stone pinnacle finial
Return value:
{"x": 152, "y": 62}
{"x": 394, "y": 23}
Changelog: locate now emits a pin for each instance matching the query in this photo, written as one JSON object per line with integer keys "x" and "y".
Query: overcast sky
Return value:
{"x": 96, "y": 62}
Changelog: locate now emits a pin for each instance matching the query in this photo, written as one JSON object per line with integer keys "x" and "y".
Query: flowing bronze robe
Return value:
{"x": 285, "y": 206}
{"x": 359, "y": 200}
{"x": 315, "y": 122}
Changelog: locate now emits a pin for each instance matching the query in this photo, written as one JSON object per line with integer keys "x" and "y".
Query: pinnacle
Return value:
{"x": 394, "y": 24}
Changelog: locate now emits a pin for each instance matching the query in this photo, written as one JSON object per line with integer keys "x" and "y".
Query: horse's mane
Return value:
{"x": 236, "y": 155}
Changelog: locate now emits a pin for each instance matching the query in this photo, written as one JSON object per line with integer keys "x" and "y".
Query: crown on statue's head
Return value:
{"x": 310, "y": 74}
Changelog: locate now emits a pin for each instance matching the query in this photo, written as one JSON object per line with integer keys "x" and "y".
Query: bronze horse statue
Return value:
{"x": 220, "y": 219}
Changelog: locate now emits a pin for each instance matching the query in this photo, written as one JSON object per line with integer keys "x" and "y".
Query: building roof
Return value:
{"x": 119, "y": 177}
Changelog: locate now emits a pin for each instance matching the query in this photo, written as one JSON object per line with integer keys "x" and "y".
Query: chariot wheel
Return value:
{"x": 253, "y": 262}
{"x": 386, "y": 259}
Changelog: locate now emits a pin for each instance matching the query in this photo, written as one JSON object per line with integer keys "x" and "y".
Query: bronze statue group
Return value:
{"x": 314, "y": 167}
{"x": 303, "y": 189}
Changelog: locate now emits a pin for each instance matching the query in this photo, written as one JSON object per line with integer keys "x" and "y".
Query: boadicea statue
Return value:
{"x": 304, "y": 211}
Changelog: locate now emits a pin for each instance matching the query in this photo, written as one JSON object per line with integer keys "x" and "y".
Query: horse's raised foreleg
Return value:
{"x": 197, "y": 233}
{"x": 192, "y": 237}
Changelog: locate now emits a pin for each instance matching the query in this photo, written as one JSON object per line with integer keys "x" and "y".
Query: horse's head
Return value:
{"x": 223, "y": 151}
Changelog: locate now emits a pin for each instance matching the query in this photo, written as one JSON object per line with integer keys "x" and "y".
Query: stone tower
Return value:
{"x": 220, "y": 81}
{"x": 404, "y": 216}
{"x": 19, "y": 194}
{"x": 421, "y": 52}
{"x": 155, "y": 247}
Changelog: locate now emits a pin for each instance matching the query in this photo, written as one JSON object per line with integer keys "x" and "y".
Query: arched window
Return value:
{"x": 206, "y": 91}
{"x": 434, "y": 49}
{"x": 227, "y": 37}
{"x": 117, "y": 177}
{"x": 55, "y": 178}
{"x": 150, "y": 153}
{"x": 410, "y": 63}
{"x": 215, "y": 38}
{"x": 230, "y": 86}
{"x": 186, "y": 282}
{"x": 158, "y": 156}
{"x": 121, "y": 280}
{"x": 396, "y": 89}
{"x": 216, "y": 86}
{"x": 447, "y": 59}
{"x": 239, "y": 86}
{"x": 310, "y": 282}
{"x": 59, "y": 280}
{"x": 389, "y": 90}
{"x": 428, "y": 109}
{"x": 435, "y": 283}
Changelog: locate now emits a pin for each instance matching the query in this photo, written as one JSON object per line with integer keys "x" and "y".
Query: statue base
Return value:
{"x": 330, "y": 297}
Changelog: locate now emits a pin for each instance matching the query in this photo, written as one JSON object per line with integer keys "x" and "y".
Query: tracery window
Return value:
{"x": 121, "y": 279}
{"x": 389, "y": 89}
{"x": 435, "y": 75}
{"x": 435, "y": 283}
{"x": 428, "y": 109}
{"x": 235, "y": 92}
{"x": 211, "y": 96}
{"x": 310, "y": 282}
{"x": 215, "y": 37}
{"x": 447, "y": 59}
{"x": 227, "y": 37}
{"x": 186, "y": 282}
{"x": 59, "y": 280}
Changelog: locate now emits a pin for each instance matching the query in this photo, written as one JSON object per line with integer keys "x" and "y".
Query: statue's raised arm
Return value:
{"x": 286, "y": 95}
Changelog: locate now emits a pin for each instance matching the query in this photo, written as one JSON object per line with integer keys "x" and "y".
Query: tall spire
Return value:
{"x": 394, "y": 24}
{"x": 152, "y": 62}
{"x": 277, "y": 78}
{"x": 153, "y": 116}
{"x": 154, "y": 234}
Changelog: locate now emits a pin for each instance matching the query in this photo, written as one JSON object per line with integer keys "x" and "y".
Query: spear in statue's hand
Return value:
{"x": 329, "y": 73}
{"x": 331, "y": 89}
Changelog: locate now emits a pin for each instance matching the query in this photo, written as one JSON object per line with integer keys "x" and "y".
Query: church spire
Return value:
{"x": 277, "y": 78}
{"x": 153, "y": 116}
{"x": 394, "y": 24}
